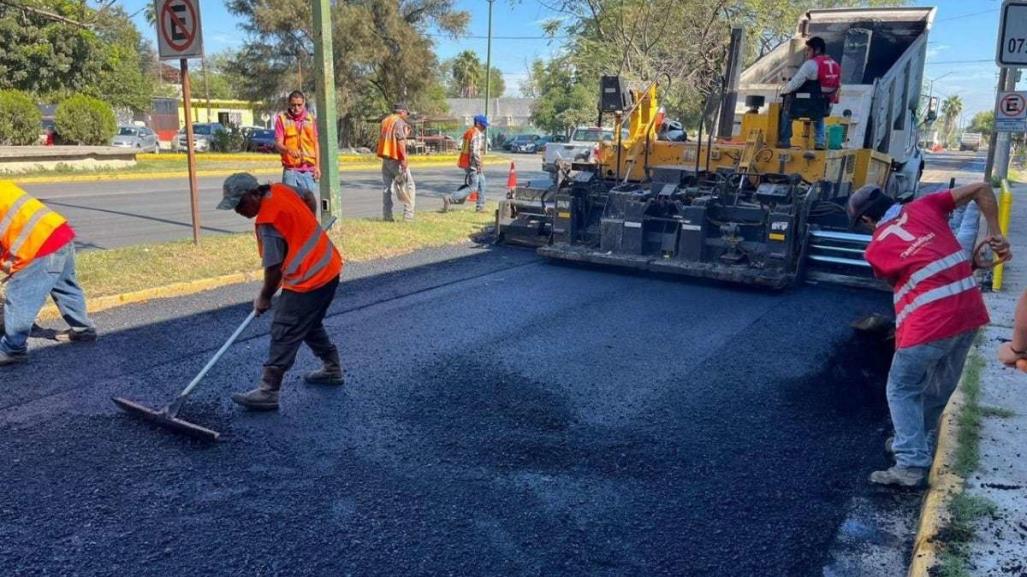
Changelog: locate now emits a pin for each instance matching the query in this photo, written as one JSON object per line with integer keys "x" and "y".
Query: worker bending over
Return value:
{"x": 471, "y": 153}
{"x": 810, "y": 93}
{"x": 300, "y": 259}
{"x": 938, "y": 308}
{"x": 37, "y": 258}
{"x": 392, "y": 149}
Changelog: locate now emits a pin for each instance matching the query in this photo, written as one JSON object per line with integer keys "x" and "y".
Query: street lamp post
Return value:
{"x": 488, "y": 73}
{"x": 930, "y": 90}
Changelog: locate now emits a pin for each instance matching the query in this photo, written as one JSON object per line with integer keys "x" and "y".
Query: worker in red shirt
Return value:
{"x": 938, "y": 309}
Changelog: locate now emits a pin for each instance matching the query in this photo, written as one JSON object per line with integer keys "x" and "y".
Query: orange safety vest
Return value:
{"x": 25, "y": 225}
{"x": 311, "y": 260}
{"x": 465, "y": 151}
{"x": 388, "y": 144}
{"x": 299, "y": 136}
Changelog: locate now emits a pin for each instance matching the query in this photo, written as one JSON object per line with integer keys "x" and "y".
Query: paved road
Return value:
{"x": 502, "y": 416}
{"x": 119, "y": 213}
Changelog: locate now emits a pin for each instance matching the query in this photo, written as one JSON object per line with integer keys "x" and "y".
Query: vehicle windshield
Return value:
{"x": 263, "y": 133}
{"x": 128, "y": 131}
{"x": 595, "y": 134}
{"x": 524, "y": 138}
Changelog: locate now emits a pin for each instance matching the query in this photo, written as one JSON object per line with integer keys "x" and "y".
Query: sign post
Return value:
{"x": 1010, "y": 53}
{"x": 179, "y": 36}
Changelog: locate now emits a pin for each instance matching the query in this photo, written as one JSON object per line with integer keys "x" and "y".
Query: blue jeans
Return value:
{"x": 52, "y": 275}
{"x": 964, "y": 223}
{"x": 784, "y": 136}
{"x": 921, "y": 380}
{"x": 476, "y": 180}
{"x": 300, "y": 180}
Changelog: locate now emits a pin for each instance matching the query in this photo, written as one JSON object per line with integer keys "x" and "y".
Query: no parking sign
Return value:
{"x": 1011, "y": 112}
{"x": 179, "y": 34}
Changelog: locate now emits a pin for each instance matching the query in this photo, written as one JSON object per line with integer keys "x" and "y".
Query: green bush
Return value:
{"x": 85, "y": 120}
{"x": 228, "y": 140}
{"x": 19, "y": 118}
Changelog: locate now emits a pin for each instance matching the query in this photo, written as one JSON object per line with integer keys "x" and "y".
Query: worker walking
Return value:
{"x": 37, "y": 258}
{"x": 392, "y": 149}
{"x": 810, "y": 93}
{"x": 296, "y": 141}
{"x": 938, "y": 308}
{"x": 300, "y": 259}
{"x": 471, "y": 153}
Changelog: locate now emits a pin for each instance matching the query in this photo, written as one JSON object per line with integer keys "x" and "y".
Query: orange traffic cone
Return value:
{"x": 511, "y": 179}
{"x": 473, "y": 196}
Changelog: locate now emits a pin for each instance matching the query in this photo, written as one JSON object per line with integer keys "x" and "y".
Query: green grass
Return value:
{"x": 998, "y": 412}
{"x": 133, "y": 268}
{"x": 968, "y": 438}
{"x": 964, "y": 511}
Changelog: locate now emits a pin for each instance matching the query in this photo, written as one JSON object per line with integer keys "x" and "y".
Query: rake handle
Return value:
{"x": 217, "y": 356}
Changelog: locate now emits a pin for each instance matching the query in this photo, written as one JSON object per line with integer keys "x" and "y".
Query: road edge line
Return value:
{"x": 177, "y": 289}
{"x": 945, "y": 484}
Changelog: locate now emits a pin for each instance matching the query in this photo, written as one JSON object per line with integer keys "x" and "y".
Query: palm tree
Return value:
{"x": 950, "y": 110}
{"x": 467, "y": 71}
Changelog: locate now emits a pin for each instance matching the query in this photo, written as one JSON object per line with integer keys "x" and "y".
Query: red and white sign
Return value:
{"x": 179, "y": 34}
{"x": 1011, "y": 112}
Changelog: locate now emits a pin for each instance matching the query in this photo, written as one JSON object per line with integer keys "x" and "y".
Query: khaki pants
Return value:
{"x": 400, "y": 183}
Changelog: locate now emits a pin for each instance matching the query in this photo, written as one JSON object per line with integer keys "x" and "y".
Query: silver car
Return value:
{"x": 137, "y": 137}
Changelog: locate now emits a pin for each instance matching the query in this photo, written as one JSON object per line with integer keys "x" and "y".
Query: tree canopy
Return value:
{"x": 464, "y": 77}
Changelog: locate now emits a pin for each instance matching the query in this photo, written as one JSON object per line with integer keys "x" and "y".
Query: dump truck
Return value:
{"x": 738, "y": 207}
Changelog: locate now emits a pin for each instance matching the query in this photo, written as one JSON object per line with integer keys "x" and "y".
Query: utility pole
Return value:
{"x": 998, "y": 149}
{"x": 327, "y": 118}
{"x": 488, "y": 75}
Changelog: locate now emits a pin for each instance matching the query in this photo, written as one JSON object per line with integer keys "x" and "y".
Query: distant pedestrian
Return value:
{"x": 938, "y": 309}
{"x": 471, "y": 153}
{"x": 300, "y": 259}
{"x": 37, "y": 258}
{"x": 296, "y": 141}
{"x": 392, "y": 149}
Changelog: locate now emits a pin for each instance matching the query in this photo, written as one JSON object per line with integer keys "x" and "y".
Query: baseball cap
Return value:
{"x": 400, "y": 106}
{"x": 234, "y": 188}
{"x": 861, "y": 201}
{"x": 482, "y": 120}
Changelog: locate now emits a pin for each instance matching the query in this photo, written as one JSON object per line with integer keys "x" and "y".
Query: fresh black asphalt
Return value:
{"x": 501, "y": 416}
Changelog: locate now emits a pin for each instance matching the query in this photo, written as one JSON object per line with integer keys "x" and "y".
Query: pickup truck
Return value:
{"x": 580, "y": 148}
{"x": 970, "y": 141}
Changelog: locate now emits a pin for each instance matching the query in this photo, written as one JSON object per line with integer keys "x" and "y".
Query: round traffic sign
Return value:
{"x": 171, "y": 23}
{"x": 1012, "y": 105}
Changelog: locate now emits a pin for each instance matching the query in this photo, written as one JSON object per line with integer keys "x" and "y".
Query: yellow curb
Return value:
{"x": 944, "y": 486}
{"x": 95, "y": 305}
{"x": 129, "y": 176}
{"x": 258, "y": 157}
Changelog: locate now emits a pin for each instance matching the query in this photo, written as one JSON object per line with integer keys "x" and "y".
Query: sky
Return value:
{"x": 961, "y": 49}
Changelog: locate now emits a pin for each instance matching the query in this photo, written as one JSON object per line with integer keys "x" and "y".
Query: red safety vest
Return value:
{"x": 936, "y": 295}
{"x": 829, "y": 75}
{"x": 311, "y": 260}
{"x": 465, "y": 150}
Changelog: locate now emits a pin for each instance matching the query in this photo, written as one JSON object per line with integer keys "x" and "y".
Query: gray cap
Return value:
{"x": 234, "y": 188}
{"x": 400, "y": 106}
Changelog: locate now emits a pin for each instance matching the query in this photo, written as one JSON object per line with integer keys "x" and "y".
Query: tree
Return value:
{"x": 951, "y": 107}
{"x": 465, "y": 77}
{"x": 562, "y": 100}
{"x": 983, "y": 122}
{"x": 383, "y": 53}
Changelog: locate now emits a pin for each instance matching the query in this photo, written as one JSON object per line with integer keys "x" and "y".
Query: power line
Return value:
{"x": 967, "y": 15}
{"x": 961, "y": 61}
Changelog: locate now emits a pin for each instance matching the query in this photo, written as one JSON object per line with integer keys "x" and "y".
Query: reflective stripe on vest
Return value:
{"x": 301, "y": 255}
{"x": 952, "y": 289}
{"x": 301, "y": 137}
{"x": 311, "y": 260}
{"x": 930, "y": 270}
{"x": 317, "y": 267}
{"x": 9, "y": 217}
{"x": 25, "y": 226}
{"x": 28, "y": 228}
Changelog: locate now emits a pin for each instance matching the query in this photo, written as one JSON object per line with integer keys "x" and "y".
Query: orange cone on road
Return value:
{"x": 511, "y": 180}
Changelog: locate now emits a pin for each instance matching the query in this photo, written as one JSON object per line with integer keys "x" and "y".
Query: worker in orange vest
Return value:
{"x": 300, "y": 259}
{"x": 296, "y": 141}
{"x": 396, "y": 176}
{"x": 37, "y": 258}
{"x": 470, "y": 160}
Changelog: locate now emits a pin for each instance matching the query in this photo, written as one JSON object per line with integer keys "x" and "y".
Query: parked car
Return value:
{"x": 138, "y": 137}
{"x": 523, "y": 143}
{"x": 260, "y": 140}
{"x": 580, "y": 148}
{"x": 202, "y": 136}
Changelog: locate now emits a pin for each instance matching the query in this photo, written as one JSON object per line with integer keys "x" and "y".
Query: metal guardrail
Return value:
{"x": 1005, "y": 206}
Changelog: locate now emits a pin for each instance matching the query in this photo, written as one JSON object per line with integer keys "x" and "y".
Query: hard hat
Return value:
{"x": 861, "y": 200}
{"x": 481, "y": 119}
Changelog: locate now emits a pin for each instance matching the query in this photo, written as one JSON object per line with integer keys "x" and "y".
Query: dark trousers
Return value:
{"x": 298, "y": 319}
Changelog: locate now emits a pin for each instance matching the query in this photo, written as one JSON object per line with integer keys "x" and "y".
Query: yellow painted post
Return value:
{"x": 1005, "y": 205}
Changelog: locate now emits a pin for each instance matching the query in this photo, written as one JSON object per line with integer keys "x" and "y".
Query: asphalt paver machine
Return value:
{"x": 738, "y": 207}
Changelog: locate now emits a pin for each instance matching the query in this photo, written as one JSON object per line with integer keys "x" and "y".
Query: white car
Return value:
{"x": 580, "y": 148}
{"x": 138, "y": 137}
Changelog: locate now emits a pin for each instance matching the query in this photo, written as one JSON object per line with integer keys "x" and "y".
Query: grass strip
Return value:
{"x": 968, "y": 438}
{"x": 127, "y": 269}
{"x": 964, "y": 511}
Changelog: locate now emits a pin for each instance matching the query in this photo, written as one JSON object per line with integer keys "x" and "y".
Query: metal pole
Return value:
{"x": 1003, "y": 142}
{"x": 190, "y": 154}
{"x": 994, "y": 140}
{"x": 729, "y": 85}
{"x": 327, "y": 118}
{"x": 488, "y": 74}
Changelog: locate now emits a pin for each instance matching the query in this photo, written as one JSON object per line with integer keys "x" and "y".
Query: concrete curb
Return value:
{"x": 98, "y": 304}
{"x": 944, "y": 485}
{"x": 129, "y": 176}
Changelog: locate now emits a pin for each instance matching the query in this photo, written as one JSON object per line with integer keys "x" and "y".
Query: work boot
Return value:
{"x": 76, "y": 335}
{"x": 12, "y": 358}
{"x": 265, "y": 396}
{"x": 447, "y": 203}
{"x": 479, "y": 209}
{"x": 899, "y": 476}
{"x": 329, "y": 374}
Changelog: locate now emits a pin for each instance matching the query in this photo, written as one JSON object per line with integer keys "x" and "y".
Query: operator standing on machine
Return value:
{"x": 812, "y": 91}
